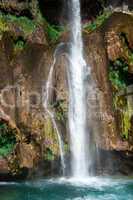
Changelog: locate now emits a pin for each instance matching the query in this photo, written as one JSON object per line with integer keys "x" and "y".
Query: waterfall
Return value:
{"x": 77, "y": 115}
{"x": 77, "y": 98}
{"x": 51, "y": 113}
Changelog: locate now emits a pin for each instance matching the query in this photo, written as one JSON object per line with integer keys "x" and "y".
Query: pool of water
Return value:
{"x": 69, "y": 189}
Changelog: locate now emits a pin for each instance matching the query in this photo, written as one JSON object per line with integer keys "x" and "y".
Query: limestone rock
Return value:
{"x": 4, "y": 166}
{"x": 27, "y": 155}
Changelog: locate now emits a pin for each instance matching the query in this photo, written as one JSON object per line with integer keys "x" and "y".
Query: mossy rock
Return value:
{"x": 7, "y": 138}
{"x": 50, "y": 139}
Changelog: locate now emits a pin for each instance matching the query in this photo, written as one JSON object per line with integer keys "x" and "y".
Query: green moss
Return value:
{"x": 50, "y": 139}
{"x": 98, "y": 21}
{"x": 3, "y": 25}
{"x": 125, "y": 114}
{"x": 126, "y": 123}
{"x": 66, "y": 148}
{"x": 119, "y": 102}
{"x": 7, "y": 139}
{"x": 131, "y": 58}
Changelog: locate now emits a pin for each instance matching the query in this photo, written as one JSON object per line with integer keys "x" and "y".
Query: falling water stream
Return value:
{"x": 77, "y": 98}
{"x": 51, "y": 113}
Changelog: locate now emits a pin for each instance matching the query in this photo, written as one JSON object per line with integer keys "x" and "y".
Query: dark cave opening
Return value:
{"x": 52, "y": 10}
{"x": 56, "y": 11}
{"x": 90, "y": 9}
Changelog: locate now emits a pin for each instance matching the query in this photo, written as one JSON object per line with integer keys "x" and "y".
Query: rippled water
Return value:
{"x": 70, "y": 189}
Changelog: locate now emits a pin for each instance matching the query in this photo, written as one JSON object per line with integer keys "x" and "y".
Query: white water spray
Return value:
{"x": 77, "y": 98}
{"x": 51, "y": 114}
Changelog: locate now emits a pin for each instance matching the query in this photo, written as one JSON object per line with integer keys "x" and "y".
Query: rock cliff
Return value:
{"x": 27, "y": 45}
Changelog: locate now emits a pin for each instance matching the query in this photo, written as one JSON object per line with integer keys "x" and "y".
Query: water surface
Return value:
{"x": 69, "y": 189}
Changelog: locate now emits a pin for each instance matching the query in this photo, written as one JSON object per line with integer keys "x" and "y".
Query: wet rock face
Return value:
{"x": 115, "y": 162}
{"x": 3, "y": 166}
{"x": 27, "y": 155}
{"x": 119, "y": 3}
{"x": 101, "y": 48}
{"x": 23, "y": 79}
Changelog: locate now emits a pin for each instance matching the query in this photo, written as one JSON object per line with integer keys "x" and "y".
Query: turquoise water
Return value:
{"x": 62, "y": 189}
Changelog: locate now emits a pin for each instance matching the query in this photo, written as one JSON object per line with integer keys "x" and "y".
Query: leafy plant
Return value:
{"x": 60, "y": 110}
{"x": 7, "y": 139}
{"x": 118, "y": 71}
{"x": 19, "y": 45}
{"x": 53, "y": 33}
{"x": 117, "y": 74}
{"x": 49, "y": 154}
{"x": 131, "y": 58}
{"x": 3, "y": 25}
{"x": 26, "y": 25}
{"x": 98, "y": 21}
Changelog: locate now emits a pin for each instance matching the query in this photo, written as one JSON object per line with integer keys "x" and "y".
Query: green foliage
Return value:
{"x": 131, "y": 58}
{"x": 121, "y": 105}
{"x": 117, "y": 74}
{"x": 28, "y": 26}
{"x": 116, "y": 81}
{"x": 7, "y": 139}
{"x": 66, "y": 147}
{"x": 98, "y": 21}
{"x": 54, "y": 32}
{"x": 3, "y": 25}
{"x": 60, "y": 110}
{"x": 118, "y": 71}
{"x": 119, "y": 102}
{"x": 48, "y": 155}
{"x": 19, "y": 45}
{"x": 25, "y": 24}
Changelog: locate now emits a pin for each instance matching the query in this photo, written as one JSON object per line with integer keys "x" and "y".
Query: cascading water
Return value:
{"x": 77, "y": 72}
{"x": 77, "y": 98}
{"x": 50, "y": 113}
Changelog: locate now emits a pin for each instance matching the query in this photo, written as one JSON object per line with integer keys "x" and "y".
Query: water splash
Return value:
{"x": 51, "y": 113}
{"x": 77, "y": 98}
